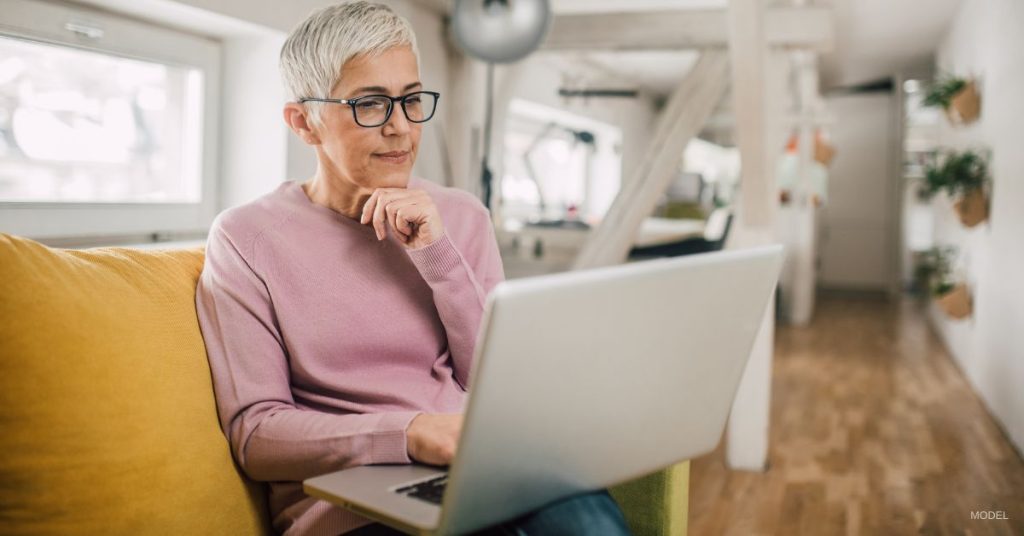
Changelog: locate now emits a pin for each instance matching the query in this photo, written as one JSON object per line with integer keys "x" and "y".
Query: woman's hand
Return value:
{"x": 433, "y": 437}
{"x": 412, "y": 215}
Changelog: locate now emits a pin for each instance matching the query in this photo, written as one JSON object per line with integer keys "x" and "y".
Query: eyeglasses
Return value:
{"x": 375, "y": 110}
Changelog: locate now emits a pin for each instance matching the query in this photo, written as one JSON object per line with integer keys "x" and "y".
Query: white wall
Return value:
{"x": 857, "y": 229}
{"x": 985, "y": 40}
{"x": 254, "y": 153}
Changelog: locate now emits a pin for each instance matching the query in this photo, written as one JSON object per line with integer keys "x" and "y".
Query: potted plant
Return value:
{"x": 957, "y": 96}
{"x": 954, "y": 299}
{"x": 934, "y": 272}
{"x": 963, "y": 176}
{"x": 930, "y": 265}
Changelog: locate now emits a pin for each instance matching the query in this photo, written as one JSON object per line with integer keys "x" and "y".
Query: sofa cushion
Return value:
{"x": 107, "y": 419}
{"x": 656, "y": 504}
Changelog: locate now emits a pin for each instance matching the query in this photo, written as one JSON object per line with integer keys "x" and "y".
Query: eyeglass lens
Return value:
{"x": 373, "y": 111}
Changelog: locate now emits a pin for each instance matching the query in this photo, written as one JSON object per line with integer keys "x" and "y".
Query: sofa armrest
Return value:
{"x": 656, "y": 504}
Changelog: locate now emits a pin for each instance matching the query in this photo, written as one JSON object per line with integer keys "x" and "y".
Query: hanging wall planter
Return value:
{"x": 957, "y": 96}
{"x": 965, "y": 106}
{"x": 932, "y": 265}
{"x": 972, "y": 207}
{"x": 934, "y": 271}
{"x": 955, "y": 301}
{"x": 964, "y": 177}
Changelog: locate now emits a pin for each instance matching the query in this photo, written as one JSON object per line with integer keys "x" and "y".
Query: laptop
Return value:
{"x": 581, "y": 381}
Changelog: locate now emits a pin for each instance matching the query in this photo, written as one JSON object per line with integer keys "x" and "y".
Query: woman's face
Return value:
{"x": 355, "y": 153}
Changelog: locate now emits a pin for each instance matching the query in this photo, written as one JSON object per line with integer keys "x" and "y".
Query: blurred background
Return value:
{"x": 877, "y": 139}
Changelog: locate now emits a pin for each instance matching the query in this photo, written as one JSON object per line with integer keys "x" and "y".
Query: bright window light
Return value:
{"x": 78, "y": 126}
{"x": 553, "y": 160}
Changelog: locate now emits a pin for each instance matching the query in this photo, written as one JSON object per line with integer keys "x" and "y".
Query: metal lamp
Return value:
{"x": 498, "y": 31}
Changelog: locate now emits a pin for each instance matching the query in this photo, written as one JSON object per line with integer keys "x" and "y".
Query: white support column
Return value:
{"x": 801, "y": 304}
{"x": 687, "y": 111}
{"x": 749, "y": 54}
{"x": 463, "y": 120}
{"x": 758, "y": 95}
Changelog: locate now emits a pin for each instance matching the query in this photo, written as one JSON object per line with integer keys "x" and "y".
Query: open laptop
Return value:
{"x": 581, "y": 380}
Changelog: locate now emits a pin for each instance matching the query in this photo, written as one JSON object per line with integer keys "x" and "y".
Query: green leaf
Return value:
{"x": 957, "y": 174}
{"x": 942, "y": 91}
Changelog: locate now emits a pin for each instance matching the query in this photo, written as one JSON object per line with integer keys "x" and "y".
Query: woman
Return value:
{"x": 340, "y": 313}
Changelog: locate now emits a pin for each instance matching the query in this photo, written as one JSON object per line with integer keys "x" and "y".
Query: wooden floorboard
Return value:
{"x": 874, "y": 431}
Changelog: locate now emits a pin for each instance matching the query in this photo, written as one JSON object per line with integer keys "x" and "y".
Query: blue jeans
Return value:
{"x": 584, "y": 514}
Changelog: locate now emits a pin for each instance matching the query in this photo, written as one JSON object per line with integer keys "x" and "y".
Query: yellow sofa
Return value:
{"x": 107, "y": 418}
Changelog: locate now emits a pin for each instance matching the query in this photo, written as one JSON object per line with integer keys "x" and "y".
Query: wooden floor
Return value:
{"x": 874, "y": 431}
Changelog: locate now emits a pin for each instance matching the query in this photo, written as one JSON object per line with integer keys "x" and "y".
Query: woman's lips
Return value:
{"x": 394, "y": 157}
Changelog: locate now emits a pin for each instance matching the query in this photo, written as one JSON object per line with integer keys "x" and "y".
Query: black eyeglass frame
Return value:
{"x": 391, "y": 106}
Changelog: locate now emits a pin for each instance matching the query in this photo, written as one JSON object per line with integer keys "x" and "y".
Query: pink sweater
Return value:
{"x": 325, "y": 343}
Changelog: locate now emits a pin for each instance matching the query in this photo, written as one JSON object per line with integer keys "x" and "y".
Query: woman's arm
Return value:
{"x": 461, "y": 276}
{"x": 270, "y": 437}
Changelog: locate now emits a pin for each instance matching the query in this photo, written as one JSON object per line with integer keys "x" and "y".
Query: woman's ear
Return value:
{"x": 297, "y": 120}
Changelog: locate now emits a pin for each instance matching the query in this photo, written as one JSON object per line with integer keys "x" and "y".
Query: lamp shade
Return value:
{"x": 500, "y": 31}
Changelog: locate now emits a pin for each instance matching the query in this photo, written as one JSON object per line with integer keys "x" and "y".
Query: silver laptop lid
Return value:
{"x": 596, "y": 377}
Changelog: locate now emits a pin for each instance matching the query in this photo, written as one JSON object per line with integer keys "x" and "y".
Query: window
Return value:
{"x": 80, "y": 126}
{"x": 105, "y": 124}
{"x": 558, "y": 165}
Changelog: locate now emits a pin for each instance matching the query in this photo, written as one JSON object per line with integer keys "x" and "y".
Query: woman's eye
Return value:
{"x": 414, "y": 100}
{"x": 369, "y": 105}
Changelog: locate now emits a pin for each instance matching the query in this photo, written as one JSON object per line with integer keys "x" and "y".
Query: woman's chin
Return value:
{"x": 393, "y": 180}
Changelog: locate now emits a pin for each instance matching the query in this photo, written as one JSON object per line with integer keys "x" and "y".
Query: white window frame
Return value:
{"x": 45, "y": 22}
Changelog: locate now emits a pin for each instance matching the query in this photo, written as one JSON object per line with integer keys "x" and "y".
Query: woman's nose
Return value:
{"x": 397, "y": 123}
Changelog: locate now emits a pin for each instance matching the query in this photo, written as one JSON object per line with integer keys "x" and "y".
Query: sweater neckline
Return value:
{"x": 294, "y": 188}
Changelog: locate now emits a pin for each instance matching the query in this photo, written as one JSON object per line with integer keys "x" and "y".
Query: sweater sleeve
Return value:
{"x": 460, "y": 280}
{"x": 271, "y": 438}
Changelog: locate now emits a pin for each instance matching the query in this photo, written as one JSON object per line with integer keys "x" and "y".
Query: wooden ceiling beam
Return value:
{"x": 809, "y": 27}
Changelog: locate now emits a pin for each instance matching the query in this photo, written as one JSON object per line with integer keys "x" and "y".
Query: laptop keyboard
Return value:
{"x": 430, "y": 490}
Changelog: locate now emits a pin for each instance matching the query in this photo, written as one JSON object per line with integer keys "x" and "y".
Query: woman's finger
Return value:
{"x": 368, "y": 207}
{"x": 411, "y": 214}
{"x": 382, "y": 216}
{"x": 389, "y": 211}
{"x": 400, "y": 219}
{"x": 405, "y": 211}
{"x": 393, "y": 211}
{"x": 379, "y": 223}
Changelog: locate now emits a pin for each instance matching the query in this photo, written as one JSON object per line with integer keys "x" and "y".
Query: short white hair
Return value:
{"x": 315, "y": 52}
